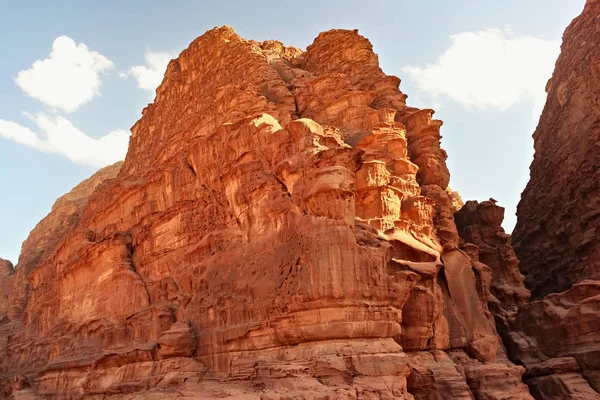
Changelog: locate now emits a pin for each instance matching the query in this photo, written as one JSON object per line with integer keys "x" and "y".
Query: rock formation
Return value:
{"x": 555, "y": 236}
{"x": 490, "y": 247}
{"x": 281, "y": 227}
{"x": 557, "y": 336}
{"x": 529, "y": 330}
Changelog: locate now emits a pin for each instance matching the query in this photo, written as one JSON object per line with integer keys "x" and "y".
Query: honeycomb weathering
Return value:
{"x": 281, "y": 228}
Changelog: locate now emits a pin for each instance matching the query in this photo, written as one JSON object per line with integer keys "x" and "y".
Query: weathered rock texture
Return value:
{"x": 281, "y": 228}
{"x": 480, "y": 227}
{"x": 43, "y": 241}
{"x": 556, "y": 237}
{"x": 529, "y": 330}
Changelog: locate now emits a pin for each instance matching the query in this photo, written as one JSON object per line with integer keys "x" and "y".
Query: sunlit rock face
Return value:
{"x": 281, "y": 228}
{"x": 557, "y": 336}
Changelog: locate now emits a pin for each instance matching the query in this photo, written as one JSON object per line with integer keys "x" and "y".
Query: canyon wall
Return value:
{"x": 281, "y": 227}
{"x": 556, "y": 236}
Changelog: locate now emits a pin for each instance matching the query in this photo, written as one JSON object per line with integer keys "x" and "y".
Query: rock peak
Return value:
{"x": 281, "y": 227}
{"x": 6, "y": 268}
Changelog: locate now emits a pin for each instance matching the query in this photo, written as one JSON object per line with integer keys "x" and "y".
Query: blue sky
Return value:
{"x": 75, "y": 76}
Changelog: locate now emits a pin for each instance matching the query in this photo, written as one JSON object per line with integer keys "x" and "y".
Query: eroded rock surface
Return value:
{"x": 557, "y": 336}
{"x": 530, "y": 330}
{"x": 281, "y": 228}
{"x": 480, "y": 227}
{"x": 556, "y": 233}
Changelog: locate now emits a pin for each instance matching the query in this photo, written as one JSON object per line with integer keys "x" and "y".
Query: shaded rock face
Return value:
{"x": 479, "y": 225}
{"x": 556, "y": 235}
{"x": 281, "y": 228}
{"x": 557, "y": 336}
{"x": 554, "y": 339}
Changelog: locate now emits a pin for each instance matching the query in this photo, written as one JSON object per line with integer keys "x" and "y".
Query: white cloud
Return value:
{"x": 61, "y": 137}
{"x": 17, "y": 133}
{"x": 149, "y": 76}
{"x": 68, "y": 78}
{"x": 490, "y": 68}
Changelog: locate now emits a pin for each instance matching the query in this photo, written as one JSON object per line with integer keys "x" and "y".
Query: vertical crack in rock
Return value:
{"x": 131, "y": 262}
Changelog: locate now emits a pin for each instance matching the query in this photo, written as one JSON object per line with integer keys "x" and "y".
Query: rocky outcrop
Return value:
{"x": 484, "y": 238}
{"x": 555, "y": 236}
{"x": 529, "y": 330}
{"x": 6, "y": 287}
{"x": 43, "y": 240}
{"x": 455, "y": 375}
{"x": 564, "y": 328}
{"x": 6, "y": 268}
{"x": 557, "y": 336}
{"x": 281, "y": 228}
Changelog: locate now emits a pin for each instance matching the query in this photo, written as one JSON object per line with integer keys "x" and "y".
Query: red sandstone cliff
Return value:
{"x": 281, "y": 228}
{"x": 544, "y": 336}
{"x": 556, "y": 236}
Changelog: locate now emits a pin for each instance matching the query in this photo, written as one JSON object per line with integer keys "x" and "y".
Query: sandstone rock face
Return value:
{"x": 557, "y": 336}
{"x": 480, "y": 227}
{"x": 6, "y": 285}
{"x": 281, "y": 228}
{"x": 562, "y": 326}
{"x": 6, "y": 268}
{"x": 530, "y": 330}
{"x": 555, "y": 236}
{"x": 43, "y": 240}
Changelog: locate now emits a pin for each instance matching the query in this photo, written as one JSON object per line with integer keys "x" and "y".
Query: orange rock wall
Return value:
{"x": 282, "y": 224}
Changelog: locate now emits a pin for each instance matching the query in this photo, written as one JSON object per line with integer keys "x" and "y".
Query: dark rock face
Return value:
{"x": 556, "y": 236}
{"x": 557, "y": 336}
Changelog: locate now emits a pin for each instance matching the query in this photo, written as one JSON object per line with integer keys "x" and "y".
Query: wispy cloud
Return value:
{"x": 149, "y": 76}
{"x": 490, "y": 69}
{"x": 58, "y": 135}
{"x": 68, "y": 78}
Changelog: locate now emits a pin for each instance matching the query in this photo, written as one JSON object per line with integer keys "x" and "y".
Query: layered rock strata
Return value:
{"x": 281, "y": 228}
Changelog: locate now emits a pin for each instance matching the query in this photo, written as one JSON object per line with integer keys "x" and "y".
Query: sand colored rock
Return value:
{"x": 281, "y": 228}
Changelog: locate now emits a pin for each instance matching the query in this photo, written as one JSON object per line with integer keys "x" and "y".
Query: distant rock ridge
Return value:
{"x": 282, "y": 227}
